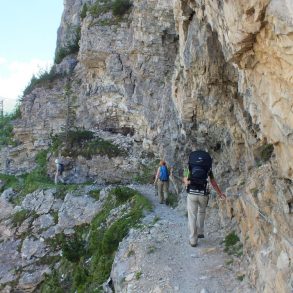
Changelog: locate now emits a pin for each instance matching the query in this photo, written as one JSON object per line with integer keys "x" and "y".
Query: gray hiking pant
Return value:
{"x": 196, "y": 209}
{"x": 163, "y": 187}
{"x": 58, "y": 177}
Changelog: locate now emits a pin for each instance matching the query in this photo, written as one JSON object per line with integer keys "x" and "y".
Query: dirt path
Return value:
{"x": 161, "y": 260}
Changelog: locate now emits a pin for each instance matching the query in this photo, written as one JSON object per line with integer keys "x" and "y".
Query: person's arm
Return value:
{"x": 185, "y": 179}
{"x": 157, "y": 175}
{"x": 216, "y": 187}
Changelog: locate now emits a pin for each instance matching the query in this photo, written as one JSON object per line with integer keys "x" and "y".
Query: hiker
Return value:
{"x": 162, "y": 181}
{"x": 195, "y": 179}
{"x": 59, "y": 171}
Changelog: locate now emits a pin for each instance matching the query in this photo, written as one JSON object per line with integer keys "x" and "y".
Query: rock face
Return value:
{"x": 26, "y": 249}
{"x": 173, "y": 75}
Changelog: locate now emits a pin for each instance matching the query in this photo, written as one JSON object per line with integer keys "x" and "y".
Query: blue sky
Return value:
{"x": 28, "y": 34}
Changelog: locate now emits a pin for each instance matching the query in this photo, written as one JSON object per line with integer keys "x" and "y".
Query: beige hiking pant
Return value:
{"x": 196, "y": 208}
{"x": 163, "y": 187}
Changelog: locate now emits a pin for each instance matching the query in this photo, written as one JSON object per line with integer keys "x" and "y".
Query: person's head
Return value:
{"x": 57, "y": 161}
{"x": 162, "y": 163}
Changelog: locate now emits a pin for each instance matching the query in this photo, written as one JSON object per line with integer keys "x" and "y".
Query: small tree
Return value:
{"x": 83, "y": 11}
{"x": 120, "y": 7}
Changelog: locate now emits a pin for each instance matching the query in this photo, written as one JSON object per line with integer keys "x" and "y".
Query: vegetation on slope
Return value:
{"x": 81, "y": 142}
{"x": 6, "y": 128}
{"x": 87, "y": 256}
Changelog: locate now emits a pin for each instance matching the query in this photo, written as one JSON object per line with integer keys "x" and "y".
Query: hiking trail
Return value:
{"x": 160, "y": 259}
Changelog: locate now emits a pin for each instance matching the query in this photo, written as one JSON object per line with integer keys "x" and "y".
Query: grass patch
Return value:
{"x": 229, "y": 262}
{"x": 130, "y": 253}
{"x": 122, "y": 194}
{"x": 55, "y": 217}
{"x": 10, "y": 181}
{"x": 18, "y": 218}
{"x": 151, "y": 249}
{"x": 156, "y": 219}
{"x": 241, "y": 277}
{"x": 95, "y": 194}
{"x": 29, "y": 182}
{"x": 172, "y": 200}
{"x": 254, "y": 191}
{"x": 62, "y": 190}
{"x": 233, "y": 246}
{"x": 138, "y": 275}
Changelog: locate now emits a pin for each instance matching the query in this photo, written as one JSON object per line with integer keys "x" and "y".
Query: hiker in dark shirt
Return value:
{"x": 195, "y": 179}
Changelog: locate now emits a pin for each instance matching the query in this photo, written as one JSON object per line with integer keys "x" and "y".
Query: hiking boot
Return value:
{"x": 192, "y": 244}
{"x": 200, "y": 236}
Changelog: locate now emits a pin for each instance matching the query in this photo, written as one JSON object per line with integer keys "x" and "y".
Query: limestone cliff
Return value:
{"x": 174, "y": 75}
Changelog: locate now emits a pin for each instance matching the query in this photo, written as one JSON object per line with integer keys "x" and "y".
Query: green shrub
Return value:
{"x": 78, "y": 136}
{"x": 241, "y": 277}
{"x": 231, "y": 239}
{"x": 266, "y": 152}
{"x": 18, "y": 218}
{"x": 123, "y": 194}
{"x": 73, "y": 249}
{"x": 120, "y": 7}
{"x": 38, "y": 178}
{"x": 83, "y": 11}
{"x": 138, "y": 275}
{"x": 82, "y": 143}
{"x": 95, "y": 194}
{"x": 52, "y": 284}
{"x": 101, "y": 147}
{"x": 233, "y": 246}
{"x": 100, "y": 7}
{"x": 6, "y": 128}
{"x": 72, "y": 47}
{"x": 172, "y": 200}
{"x": 43, "y": 79}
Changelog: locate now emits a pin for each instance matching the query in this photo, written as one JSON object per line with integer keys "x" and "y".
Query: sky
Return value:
{"x": 28, "y": 35}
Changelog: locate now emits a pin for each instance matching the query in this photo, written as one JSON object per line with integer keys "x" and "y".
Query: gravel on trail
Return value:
{"x": 158, "y": 258}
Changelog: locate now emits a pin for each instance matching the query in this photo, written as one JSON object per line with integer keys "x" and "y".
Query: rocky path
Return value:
{"x": 161, "y": 260}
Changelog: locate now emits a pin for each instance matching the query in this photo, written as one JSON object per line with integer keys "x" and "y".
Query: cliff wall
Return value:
{"x": 182, "y": 74}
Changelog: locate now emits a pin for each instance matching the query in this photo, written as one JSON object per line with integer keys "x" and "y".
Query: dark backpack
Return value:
{"x": 199, "y": 164}
{"x": 164, "y": 175}
{"x": 61, "y": 168}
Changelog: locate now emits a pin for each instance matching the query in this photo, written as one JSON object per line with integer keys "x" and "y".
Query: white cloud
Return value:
{"x": 2, "y": 60}
{"x": 15, "y": 76}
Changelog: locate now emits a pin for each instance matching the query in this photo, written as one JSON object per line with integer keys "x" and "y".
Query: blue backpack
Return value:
{"x": 164, "y": 175}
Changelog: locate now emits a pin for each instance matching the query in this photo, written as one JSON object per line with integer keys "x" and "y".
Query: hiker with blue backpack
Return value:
{"x": 162, "y": 181}
{"x": 195, "y": 179}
